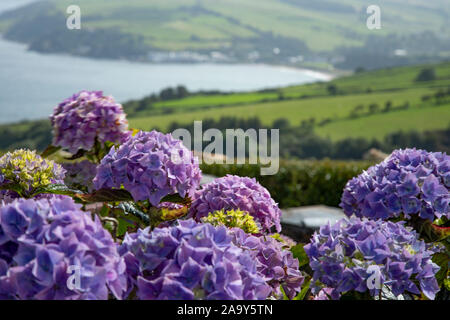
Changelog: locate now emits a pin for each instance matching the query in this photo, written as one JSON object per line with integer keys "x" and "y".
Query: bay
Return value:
{"x": 31, "y": 84}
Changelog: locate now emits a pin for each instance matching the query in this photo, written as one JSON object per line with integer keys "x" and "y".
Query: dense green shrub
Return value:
{"x": 299, "y": 183}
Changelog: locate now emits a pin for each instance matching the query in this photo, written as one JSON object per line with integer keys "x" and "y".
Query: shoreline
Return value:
{"x": 63, "y": 74}
{"x": 320, "y": 74}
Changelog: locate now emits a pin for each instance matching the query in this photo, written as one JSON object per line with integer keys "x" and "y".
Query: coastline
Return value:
{"x": 320, "y": 74}
{"x": 34, "y": 82}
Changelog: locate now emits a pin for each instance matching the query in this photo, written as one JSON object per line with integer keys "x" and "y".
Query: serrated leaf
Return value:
{"x": 299, "y": 252}
{"x": 80, "y": 154}
{"x": 60, "y": 189}
{"x": 442, "y": 260}
{"x": 106, "y": 195}
{"x": 429, "y": 231}
{"x": 49, "y": 151}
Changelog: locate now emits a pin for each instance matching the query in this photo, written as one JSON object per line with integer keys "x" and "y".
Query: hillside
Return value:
{"x": 238, "y": 30}
{"x": 344, "y": 118}
{"x": 331, "y": 110}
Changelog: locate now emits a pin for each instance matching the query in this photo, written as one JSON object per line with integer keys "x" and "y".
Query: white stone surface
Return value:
{"x": 311, "y": 216}
{"x": 206, "y": 178}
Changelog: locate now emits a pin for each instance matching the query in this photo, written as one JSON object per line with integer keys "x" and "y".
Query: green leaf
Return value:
{"x": 104, "y": 211}
{"x": 176, "y": 198}
{"x": 354, "y": 295}
{"x": 49, "y": 151}
{"x": 106, "y": 195}
{"x": 429, "y": 231}
{"x": 302, "y": 294}
{"x": 61, "y": 189}
{"x": 12, "y": 187}
{"x": 299, "y": 252}
{"x": 172, "y": 214}
{"x": 440, "y": 232}
{"x": 442, "y": 260}
{"x": 80, "y": 154}
{"x": 125, "y": 225}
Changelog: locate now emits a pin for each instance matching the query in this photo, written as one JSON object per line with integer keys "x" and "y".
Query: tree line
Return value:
{"x": 302, "y": 142}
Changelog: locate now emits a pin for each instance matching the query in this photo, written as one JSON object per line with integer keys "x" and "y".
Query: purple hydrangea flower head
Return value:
{"x": 190, "y": 261}
{"x": 28, "y": 171}
{"x": 80, "y": 175}
{"x": 51, "y": 250}
{"x": 274, "y": 262}
{"x": 233, "y": 193}
{"x": 150, "y": 165}
{"x": 86, "y": 117}
{"x": 409, "y": 182}
{"x": 356, "y": 254}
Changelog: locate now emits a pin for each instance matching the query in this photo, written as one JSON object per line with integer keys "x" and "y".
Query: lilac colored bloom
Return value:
{"x": 150, "y": 165}
{"x": 275, "y": 264}
{"x": 347, "y": 255}
{"x": 232, "y": 193}
{"x": 409, "y": 182}
{"x": 80, "y": 175}
{"x": 45, "y": 242}
{"x": 86, "y": 117}
{"x": 190, "y": 261}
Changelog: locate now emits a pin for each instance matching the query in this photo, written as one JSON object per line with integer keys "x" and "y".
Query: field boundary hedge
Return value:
{"x": 299, "y": 183}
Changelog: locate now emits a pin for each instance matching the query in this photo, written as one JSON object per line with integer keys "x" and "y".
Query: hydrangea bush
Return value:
{"x": 409, "y": 183}
{"x": 150, "y": 165}
{"x": 155, "y": 234}
{"x": 233, "y": 192}
{"x": 43, "y": 242}
{"x": 86, "y": 118}
{"x": 190, "y": 261}
{"x": 346, "y": 255}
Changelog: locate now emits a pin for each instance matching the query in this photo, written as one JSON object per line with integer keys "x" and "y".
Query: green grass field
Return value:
{"x": 396, "y": 85}
{"x": 377, "y": 81}
{"x": 379, "y": 125}
{"x": 216, "y": 100}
